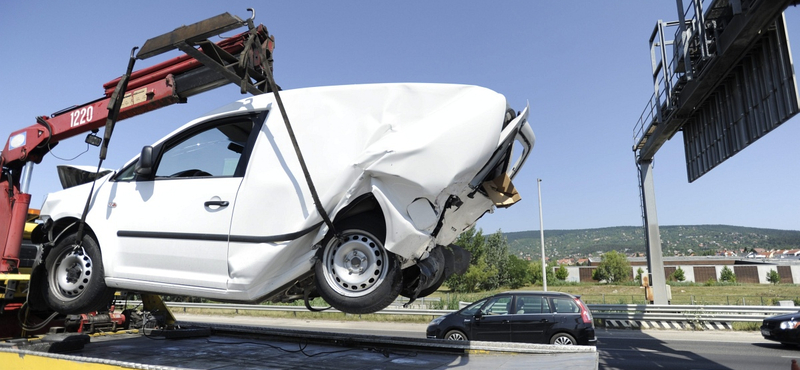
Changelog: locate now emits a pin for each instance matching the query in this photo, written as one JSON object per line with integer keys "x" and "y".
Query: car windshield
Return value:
{"x": 473, "y": 308}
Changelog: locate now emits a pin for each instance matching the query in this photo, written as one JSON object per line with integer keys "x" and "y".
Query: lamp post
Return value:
{"x": 541, "y": 233}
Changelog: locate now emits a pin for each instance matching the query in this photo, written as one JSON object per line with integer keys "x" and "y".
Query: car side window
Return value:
{"x": 498, "y": 306}
{"x": 126, "y": 174}
{"x": 566, "y": 305}
{"x": 214, "y": 151}
{"x": 532, "y": 305}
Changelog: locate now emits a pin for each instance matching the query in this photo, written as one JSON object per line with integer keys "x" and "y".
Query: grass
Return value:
{"x": 746, "y": 326}
{"x": 682, "y": 293}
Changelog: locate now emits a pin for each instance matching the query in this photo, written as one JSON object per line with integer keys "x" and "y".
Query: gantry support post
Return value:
{"x": 655, "y": 262}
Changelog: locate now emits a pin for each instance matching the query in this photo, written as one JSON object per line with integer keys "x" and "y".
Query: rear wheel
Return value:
{"x": 455, "y": 335}
{"x": 75, "y": 283}
{"x": 354, "y": 272}
{"x": 563, "y": 339}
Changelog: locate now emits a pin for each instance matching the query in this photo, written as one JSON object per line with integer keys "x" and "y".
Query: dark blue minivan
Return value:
{"x": 529, "y": 317}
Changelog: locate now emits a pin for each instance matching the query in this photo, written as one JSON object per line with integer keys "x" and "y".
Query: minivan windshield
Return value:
{"x": 473, "y": 308}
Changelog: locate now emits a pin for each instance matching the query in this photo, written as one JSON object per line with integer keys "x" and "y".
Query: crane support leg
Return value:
{"x": 15, "y": 205}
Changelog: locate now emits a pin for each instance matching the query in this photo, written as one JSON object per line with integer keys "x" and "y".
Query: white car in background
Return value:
{"x": 220, "y": 208}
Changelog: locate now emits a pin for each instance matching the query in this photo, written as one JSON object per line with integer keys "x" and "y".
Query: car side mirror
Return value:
{"x": 478, "y": 315}
{"x": 144, "y": 167}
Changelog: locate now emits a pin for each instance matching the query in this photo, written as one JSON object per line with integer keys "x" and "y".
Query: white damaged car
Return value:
{"x": 221, "y": 208}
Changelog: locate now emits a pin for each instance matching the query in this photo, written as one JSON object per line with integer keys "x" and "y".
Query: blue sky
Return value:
{"x": 584, "y": 67}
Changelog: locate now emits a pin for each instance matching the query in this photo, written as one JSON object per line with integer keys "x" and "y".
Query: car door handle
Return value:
{"x": 221, "y": 203}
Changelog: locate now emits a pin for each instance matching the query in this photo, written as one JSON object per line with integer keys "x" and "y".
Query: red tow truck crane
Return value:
{"x": 244, "y": 59}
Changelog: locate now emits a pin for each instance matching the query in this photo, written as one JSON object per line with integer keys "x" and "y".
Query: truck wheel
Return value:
{"x": 75, "y": 281}
{"x": 354, "y": 273}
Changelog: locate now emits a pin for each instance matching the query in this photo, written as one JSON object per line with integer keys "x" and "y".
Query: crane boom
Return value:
{"x": 205, "y": 66}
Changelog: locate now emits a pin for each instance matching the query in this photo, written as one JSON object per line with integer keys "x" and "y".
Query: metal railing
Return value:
{"x": 692, "y": 313}
{"x": 687, "y": 312}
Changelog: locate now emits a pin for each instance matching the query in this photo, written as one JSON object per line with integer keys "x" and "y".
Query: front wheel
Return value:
{"x": 455, "y": 335}
{"x": 75, "y": 281}
{"x": 355, "y": 273}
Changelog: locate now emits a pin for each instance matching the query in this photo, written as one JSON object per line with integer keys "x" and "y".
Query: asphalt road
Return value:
{"x": 707, "y": 350}
{"x": 618, "y": 349}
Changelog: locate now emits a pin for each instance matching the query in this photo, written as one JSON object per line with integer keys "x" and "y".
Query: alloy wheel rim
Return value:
{"x": 563, "y": 341}
{"x": 456, "y": 336}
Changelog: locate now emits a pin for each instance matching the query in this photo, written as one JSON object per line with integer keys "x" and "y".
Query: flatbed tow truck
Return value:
{"x": 149, "y": 337}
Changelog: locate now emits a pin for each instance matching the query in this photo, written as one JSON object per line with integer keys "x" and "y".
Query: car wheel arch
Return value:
{"x": 63, "y": 227}
{"x": 362, "y": 204}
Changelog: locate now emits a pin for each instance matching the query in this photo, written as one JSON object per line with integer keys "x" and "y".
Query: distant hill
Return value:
{"x": 675, "y": 240}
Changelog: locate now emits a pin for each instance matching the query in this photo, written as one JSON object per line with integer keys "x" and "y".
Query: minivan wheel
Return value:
{"x": 354, "y": 272}
{"x": 455, "y": 335}
{"x": 563, "y": 339}
{"x": 74, "y": 282}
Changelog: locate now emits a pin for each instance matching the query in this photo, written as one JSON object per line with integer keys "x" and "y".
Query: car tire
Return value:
{"x": 563, "y": 339}
{"x": 354, "y": 272}
{"x": 37, "y": 287}
{"x": 455, "y": 335}
{"x": 74, "y": 281}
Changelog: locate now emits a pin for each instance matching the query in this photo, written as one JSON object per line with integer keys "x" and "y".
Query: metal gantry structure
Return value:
{"x": 724, "y": 77}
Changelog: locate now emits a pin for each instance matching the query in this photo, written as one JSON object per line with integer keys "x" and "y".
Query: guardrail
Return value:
{"x": 687, "y": 312}
{"x": 258, "y": 307}
{"x": 634, "y": 314}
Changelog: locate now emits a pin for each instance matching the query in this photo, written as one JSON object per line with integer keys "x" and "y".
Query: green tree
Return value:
{"x": 497, "y": 258}
{"x": 471, "y": 280}
{"x": 639, "y": 273}
{"x": 613, "y": 268}
{"x": 727, "y": 275}
{"x": 536, "y": 273}
{"x": 562, "y": 273}
{"x": 678, "y": 275}
{"x": 773, "y": 277}
{"x": 473, "y": 241}
{"x": 519, "y": 273}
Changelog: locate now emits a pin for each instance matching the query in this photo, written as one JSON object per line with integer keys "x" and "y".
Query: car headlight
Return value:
{"x": 787, "y": 325}
{"x": 439, "y": 319}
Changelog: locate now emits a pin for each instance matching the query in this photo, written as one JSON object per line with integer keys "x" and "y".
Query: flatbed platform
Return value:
{"x": 243, "y": 347}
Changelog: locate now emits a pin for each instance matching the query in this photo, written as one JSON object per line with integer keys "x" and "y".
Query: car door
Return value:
{"x": 173, "y": 225}
{"x": 492, "y": 321}
{"x": 531, "y": 320}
